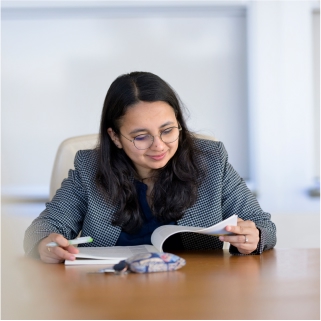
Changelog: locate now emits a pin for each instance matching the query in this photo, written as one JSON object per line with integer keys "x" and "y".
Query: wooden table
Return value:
{"x": 280, "y": 284}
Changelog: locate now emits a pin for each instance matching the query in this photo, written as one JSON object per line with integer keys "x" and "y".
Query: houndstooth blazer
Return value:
{"x": 78, "y": 206}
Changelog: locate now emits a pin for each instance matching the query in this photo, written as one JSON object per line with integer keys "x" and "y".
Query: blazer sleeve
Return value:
{"x": 238, "y": 199}
{"x": 63, "y": 215}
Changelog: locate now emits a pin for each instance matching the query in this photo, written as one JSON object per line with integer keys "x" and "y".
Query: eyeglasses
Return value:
{"x": 168, "y": 135}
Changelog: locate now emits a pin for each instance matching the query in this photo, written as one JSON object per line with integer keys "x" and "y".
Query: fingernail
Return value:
{"x": 221, "y": 238}
{"x": 72, "y": 258}
{"x": 228, "y": 228}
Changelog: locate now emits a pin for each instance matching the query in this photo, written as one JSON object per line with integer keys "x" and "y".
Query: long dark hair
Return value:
{"x": 176, "y": 184}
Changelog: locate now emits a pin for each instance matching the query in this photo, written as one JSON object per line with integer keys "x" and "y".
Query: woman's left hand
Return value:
{"x": 247, "y": 236}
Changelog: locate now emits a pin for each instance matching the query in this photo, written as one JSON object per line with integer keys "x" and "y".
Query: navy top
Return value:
{"x": 143, "y": 235}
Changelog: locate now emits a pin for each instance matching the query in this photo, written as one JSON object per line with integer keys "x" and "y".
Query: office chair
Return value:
{"x": 66, "y": 154}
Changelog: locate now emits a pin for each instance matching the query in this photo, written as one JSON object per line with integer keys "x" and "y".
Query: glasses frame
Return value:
{"x": 153, "y": 137}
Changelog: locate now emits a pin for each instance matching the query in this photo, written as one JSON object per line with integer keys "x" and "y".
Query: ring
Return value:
{"x": 246, "y": 240}
{"x": 48, "y": 248}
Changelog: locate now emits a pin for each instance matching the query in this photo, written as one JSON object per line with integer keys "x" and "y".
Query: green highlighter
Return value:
{"x": 78, "y": 240}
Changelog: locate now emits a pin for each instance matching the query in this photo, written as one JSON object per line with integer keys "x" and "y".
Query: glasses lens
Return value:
{"x": 169, "y": 135}
{"x": 143, "y": 141}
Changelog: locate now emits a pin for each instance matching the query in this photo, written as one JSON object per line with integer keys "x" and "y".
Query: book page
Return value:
{"x": 106, "y": 263}
{"x": 113, "y": 252}
{"x": 219, "y": 228}
{"x": 163, "y": 232}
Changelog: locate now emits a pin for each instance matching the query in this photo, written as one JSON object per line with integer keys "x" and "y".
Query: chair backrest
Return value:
{"x": 65, "y": 156}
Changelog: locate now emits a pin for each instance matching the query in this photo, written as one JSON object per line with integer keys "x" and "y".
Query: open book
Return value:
{"x": 114, "y": 254}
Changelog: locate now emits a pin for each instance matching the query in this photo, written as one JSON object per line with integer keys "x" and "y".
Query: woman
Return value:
{"x": 148, "y": 170}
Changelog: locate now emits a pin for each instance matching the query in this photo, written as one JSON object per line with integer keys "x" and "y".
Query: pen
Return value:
{"x": 79, "y": 240}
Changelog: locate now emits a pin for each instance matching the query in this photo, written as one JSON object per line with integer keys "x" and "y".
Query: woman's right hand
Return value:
{"x": 59, "y": 253}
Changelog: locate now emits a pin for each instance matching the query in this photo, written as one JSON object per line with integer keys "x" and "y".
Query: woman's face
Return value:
{"x": 147, "y": 118}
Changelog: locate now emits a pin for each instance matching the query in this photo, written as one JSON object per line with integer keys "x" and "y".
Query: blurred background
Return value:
{"x": 248, "y": 72}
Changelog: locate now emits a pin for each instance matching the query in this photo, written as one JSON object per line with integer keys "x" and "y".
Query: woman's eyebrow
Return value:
{"x": 166, "y": 124}
{"x": 138, "y": 130}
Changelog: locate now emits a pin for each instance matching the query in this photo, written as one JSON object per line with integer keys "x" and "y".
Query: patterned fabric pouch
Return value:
{"x": 150, "y": 262}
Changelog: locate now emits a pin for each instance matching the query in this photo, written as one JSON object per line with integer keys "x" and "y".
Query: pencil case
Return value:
{"x": 150, "y": 262}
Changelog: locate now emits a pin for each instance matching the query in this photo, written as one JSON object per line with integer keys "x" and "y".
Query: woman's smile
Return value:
{"x": 157, "y": 157}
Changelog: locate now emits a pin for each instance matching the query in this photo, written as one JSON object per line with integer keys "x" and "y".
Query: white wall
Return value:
{"x": 282, "y": 104}
{"x": 316, "y": 90}
{"x": 58, "y": 63}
